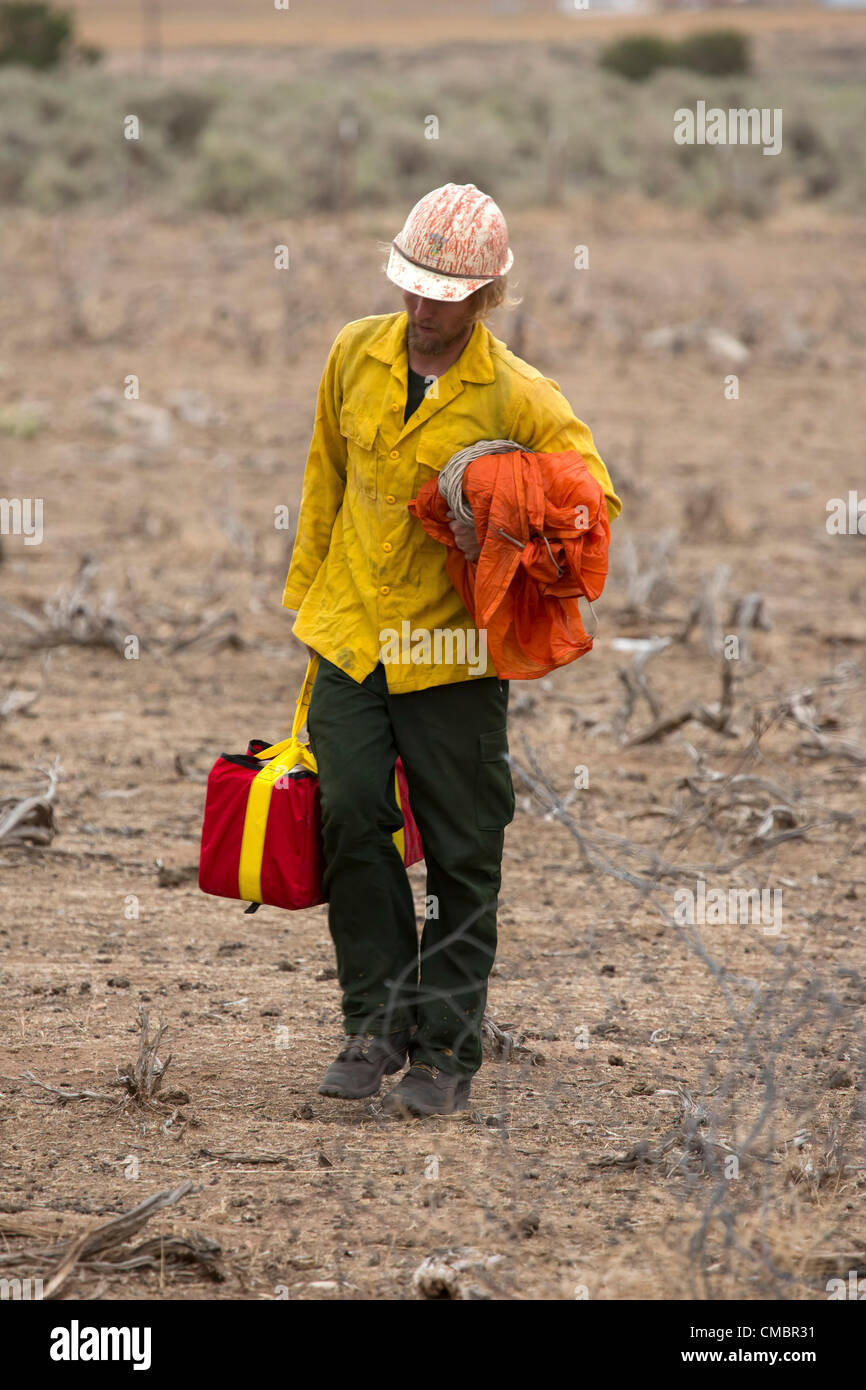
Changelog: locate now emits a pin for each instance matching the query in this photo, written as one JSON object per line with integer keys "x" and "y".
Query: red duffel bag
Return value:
{"x": 262, "y": 834}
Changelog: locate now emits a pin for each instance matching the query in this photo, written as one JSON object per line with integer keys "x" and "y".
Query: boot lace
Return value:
{"x": 355, "y": 1046}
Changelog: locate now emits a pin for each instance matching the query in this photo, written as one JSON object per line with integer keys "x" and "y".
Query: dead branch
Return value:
{"x": 638, "y": 1155}
{"x": 143, "y": 1080}
{"x": 74, "y": 615}
{"x": 682, "y": 1148}
{"x": 17, "y": 702}
{"x": 63, "y": 1095}
{"x": 819, "y": 744}
{"x": 505, "y": 1044}
{"x": 153, "y": 1254}
{"x": 635, "y": 680}
{"x": 749, "y": 615}
{"x": 647, "y": 577}
{"x": 262, "y": 1159}
{"x": 67, "y": 1255}
{"x": 715, "y": 717}
{"x": 31, "y": 821}
{"x": 744, "y": 804}
{"x": 703, "y": 610}
{"x": 209, "y": 637}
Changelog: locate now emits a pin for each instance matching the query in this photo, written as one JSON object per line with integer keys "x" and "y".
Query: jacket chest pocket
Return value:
{"x": 359, "y": 431}
{"x": 431, "y": 455}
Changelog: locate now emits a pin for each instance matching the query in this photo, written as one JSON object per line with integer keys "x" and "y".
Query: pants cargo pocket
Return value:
{"x": 494, "y": 789}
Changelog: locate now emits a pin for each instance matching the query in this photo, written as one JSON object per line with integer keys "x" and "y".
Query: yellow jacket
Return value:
{"x": 366, "y": 579}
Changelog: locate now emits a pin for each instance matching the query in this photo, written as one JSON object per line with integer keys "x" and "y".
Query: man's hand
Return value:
{"x": 465, "y": 536}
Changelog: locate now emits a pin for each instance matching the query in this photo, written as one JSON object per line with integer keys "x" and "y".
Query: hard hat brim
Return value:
{"x": 430, "y": 284}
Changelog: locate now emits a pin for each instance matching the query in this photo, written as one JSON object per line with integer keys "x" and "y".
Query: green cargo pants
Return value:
{"x": 453, "y": 742}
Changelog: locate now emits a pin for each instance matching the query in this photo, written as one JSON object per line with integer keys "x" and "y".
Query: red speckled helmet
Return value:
{"x": 454, "y": 241}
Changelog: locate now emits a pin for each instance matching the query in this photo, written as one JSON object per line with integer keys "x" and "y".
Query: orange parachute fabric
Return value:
{"x": 542, "y": 523}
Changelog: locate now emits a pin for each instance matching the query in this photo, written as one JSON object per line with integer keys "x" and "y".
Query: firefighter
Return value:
{"x": 400, "y": 394}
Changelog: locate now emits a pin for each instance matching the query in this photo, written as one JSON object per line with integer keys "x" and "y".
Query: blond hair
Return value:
{"x": 493, "y": 295}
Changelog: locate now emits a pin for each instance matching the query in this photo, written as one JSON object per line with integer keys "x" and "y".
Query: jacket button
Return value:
{"x": 385, "y": 589}
{"x": 395, "y": 406}
{"x": 394, "y": 454}
{"x": 389, "y": 497}
{"x": 386, "y": 545}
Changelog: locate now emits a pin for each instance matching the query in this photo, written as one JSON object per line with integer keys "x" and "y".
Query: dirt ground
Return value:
{"x": 595, "y": 1162}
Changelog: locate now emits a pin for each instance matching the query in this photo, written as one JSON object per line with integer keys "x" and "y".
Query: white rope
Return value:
{"x": 451, "y": 488}
{"x": 451, "y": 476}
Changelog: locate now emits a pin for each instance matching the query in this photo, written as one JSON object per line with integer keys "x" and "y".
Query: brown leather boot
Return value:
{"x": 427, "y": 1090}
{"x": 365, "y": 1058}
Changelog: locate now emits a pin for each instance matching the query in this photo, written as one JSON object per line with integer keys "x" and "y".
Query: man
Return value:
{"x": 401, "y": 393}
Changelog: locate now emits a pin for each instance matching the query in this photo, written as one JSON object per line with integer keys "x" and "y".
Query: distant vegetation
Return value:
{"x": 38, "y": 36}
{"x": 720, "y": 52}
{"x": 637, "y": 56}
{"x": 339, "y": 130}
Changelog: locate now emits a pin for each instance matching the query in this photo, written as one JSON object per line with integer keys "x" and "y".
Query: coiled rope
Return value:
{"x": 451, "y": 484}
{"x": 451, "y": 476}
{"x": 451, "y": 488}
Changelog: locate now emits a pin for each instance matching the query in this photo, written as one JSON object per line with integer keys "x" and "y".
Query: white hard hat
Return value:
{"x": 454, "y": 241}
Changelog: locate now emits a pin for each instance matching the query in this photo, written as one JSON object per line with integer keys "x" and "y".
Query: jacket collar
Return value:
{"x": 473, "y": 364}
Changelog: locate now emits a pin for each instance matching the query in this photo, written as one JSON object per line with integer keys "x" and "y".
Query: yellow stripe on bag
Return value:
{"x": 253, "y": 840}
{"x": 399, "y": 837}
{"x": 256, "y": 824}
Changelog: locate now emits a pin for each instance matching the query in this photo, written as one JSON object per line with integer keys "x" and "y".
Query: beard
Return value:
{"x": 433, "y": 342}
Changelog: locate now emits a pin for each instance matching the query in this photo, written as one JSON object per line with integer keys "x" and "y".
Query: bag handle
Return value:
{"x": 301, "y": 751}
{"x": 303, "y": 705}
